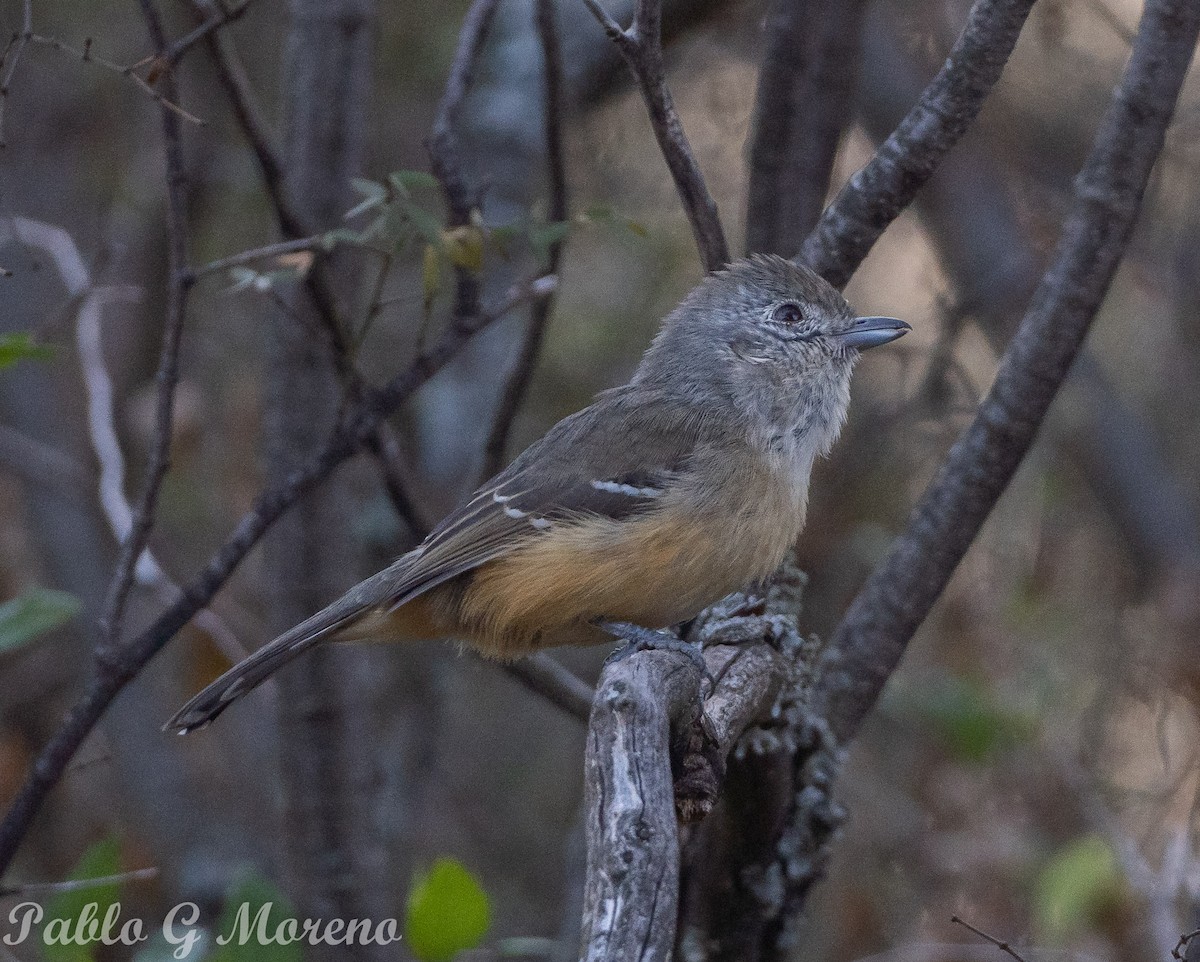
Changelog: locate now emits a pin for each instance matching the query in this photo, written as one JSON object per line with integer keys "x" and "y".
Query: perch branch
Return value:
{"x": 632, "y": 890}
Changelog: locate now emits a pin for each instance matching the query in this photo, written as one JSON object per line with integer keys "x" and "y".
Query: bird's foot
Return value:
{"x": 637, "y": 639}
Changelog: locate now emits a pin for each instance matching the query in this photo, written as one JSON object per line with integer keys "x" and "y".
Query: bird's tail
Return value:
{"x": 248, "y": 674}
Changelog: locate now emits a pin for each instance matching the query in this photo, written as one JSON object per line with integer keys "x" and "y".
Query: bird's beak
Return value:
{"x": 869, "y": 332}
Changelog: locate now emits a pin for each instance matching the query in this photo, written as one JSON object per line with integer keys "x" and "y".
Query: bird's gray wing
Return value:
{"x": 611, "y": 459}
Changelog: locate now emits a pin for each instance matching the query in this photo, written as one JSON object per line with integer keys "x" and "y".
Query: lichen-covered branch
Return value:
{"x": 631, "y": 895}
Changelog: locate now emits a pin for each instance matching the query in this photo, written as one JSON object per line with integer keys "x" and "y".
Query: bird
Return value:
{"x": 634, "y": 514}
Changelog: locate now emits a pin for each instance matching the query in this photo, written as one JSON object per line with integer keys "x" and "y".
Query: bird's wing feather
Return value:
{"x": 564, "y": 476}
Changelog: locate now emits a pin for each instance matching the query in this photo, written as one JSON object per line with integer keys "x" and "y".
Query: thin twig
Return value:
{"x": 904, "y": 162}
{"x": 15, "y": 48}
{"x": 266, "y": 252}
{"x": 223, "y": 17}
{"x": 444, "y": 154}
{"x": 517, "y": 383}
{"x": 545, "y": 676}
{"x": 641, "y": 46}
{"x": 167, "y": 377}
{"x": 77, "y": 885}
{"x": 167, "y": 101}
{"x": 350, "y": 436}
{"x": 998, "y": 943}
{"x": 868, "y": 644}
{"x": 1181, "y": 946}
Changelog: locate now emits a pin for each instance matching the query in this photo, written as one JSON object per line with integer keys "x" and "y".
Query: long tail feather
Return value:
{"x": 245, "y": 676}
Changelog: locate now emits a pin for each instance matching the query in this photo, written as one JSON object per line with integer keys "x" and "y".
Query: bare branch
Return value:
{"x": 87, "y": 55}
{"x": 233, "y": 78}
{"x": 873, "y": 635}
{"x": 641, "y": 46}
{"x": 78, "y": 885}
{"x": 444, "y": 155}
{"x": 802, "y": 108}
{"x": 876, "y": 195}
{"x": 14, "y": 50}
{"x": 542, "y": 674}
{"x": 1001, "y": 945}
{"x": 220, "y": 16}
{"x": 517, "y": 383}
{"x": 178, "y": 283}
{"x": 266, "y": 252}
{"x": 1182, "y": 944}
{"x": 350, "y": 436}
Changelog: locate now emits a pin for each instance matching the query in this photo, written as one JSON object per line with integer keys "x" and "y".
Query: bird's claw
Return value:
{"x": 637, "y": 639}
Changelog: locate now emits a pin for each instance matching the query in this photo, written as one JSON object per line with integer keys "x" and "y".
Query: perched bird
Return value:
{"x": 661, "y": 497}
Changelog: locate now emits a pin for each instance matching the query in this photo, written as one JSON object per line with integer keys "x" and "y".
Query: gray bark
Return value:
{"x": 331, "y": 850}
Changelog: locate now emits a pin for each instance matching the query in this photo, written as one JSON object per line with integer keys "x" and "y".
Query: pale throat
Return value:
{"x": 809, "y": 426}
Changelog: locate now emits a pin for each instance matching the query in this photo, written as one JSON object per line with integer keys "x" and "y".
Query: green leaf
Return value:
{"x": 971, "y": 720}
{"x": 65, "y": 910}
{"x": 255, "y": 907}
{"x": 448, "y": 912}
{"x": 428, "y": 226}
{"x": 1079, "y": 885}
{"x": 502, "y": 238}
{"x": 598, "y": 214}
{"x": 340, "y": 235}
{"x": 374, "y": 194}
{"x": 407, "y": 180}
{"x": 544, "y": 236}
{"x": 20, "y": 346}
{"x": 464, "y": 247}
{"x": 37, "y": 611}
{"x": 603, "y": 214}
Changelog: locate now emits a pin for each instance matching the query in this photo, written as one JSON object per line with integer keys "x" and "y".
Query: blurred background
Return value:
{"x": 1033, "y": 767}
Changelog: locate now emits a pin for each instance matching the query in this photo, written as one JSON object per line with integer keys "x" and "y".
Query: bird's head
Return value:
{"x": 767, "y": 335}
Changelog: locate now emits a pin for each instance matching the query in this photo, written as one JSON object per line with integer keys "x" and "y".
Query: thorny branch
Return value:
{"x": 641, "y": 46}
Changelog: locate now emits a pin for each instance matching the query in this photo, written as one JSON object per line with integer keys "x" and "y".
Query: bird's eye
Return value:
{"x": 788, "y": 314}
